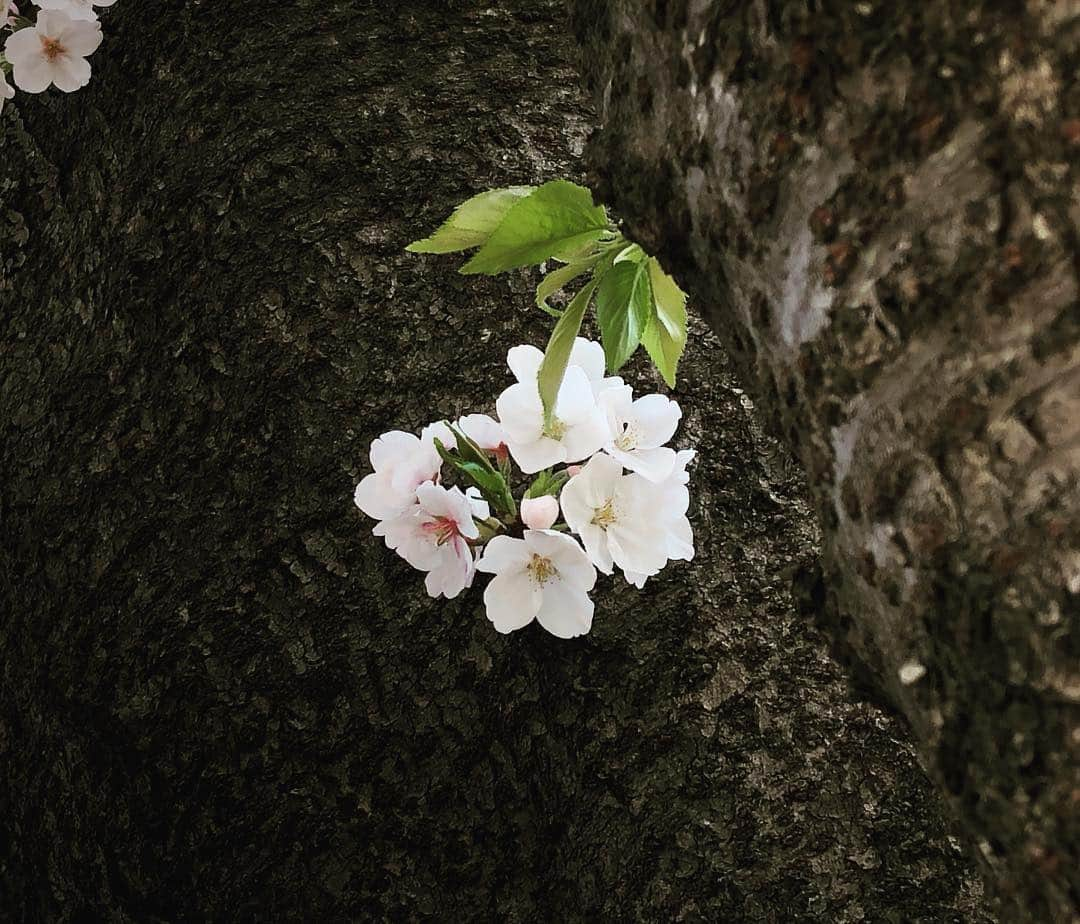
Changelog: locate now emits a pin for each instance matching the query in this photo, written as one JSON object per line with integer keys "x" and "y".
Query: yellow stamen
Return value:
{"x": 541, "y": 569}
{"x": 604, "y": 516}
{"x": 556, "y": 429}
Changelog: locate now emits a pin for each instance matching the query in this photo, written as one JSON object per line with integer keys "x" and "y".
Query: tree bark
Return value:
{"x": 222, "y": 698}
{"x": 876, "y": 207}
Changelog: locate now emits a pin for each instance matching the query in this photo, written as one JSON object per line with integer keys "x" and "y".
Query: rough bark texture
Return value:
{"x": 877, "y": 206}
{"x": 222, "y": 699}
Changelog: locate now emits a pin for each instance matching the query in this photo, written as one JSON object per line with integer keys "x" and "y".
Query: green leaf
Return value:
{"x": 547, "y": 483}
{"x": 559, "y": 278}
{"x": 561, "y": 342}
{"x": 555, "y": 219}
{"x": 623, "y": 308}
{"x": 665, "y": 336}
{"x": 473, "y": 221}
{"x": 491, "y": 483}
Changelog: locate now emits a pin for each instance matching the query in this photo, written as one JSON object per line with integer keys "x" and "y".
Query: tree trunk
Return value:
{"x": 876, "y": 207}
{"x": 222, "y": 698}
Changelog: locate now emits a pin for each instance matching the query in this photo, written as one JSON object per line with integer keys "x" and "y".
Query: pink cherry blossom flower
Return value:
{"x": 433, "y": 535}
{"x": 638, "y": 431}
{"x": 53, "y": 51}
{"x": 544, "y": 576}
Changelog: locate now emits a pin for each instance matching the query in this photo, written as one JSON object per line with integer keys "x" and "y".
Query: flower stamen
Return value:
{"x": 627, "y": 441}
{"x": 555, "y": 430}
{"x": 604, "y": 516}
{"x": 444, "y": 529}
{"x": 541, "y": 569}
{"x": 51, "y": 48}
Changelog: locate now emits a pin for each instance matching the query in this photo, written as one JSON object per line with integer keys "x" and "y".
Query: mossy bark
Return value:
{"x": 222, "y": 699}
{"x": 876, "y": 207}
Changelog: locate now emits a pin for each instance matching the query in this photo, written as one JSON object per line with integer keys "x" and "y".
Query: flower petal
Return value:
{"x": 566, "y": 610}
{"x": 521, "y": 412}
{"x": 483, "y": 430}
{"x": 537, "y": 455}
{"x": 657, "y": 418}
{"x": 589, "y": 355}
{"x": 504, "y": 553}
{"x": 585, "y": 437}
{"x": 655, "y": 465}
{"x": 512, "y": 600}
{"x": 392, "y": 448}
{"x": 575, "y": 401}
{"x": 81, "y": 38}
{"x": 524, "y": 361}
{"x": 70, "y": 73}
{"x": 595, "y": 541}
{"x": 32, "y": 75}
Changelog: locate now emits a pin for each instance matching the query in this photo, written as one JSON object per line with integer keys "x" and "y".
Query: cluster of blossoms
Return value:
{"x": 601, "y": 457}
{"x": 51, "y": 50}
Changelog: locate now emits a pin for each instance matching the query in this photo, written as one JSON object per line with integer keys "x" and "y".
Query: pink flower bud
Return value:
{"x": 573, "y": 470}
{"x": 539, "y": 512}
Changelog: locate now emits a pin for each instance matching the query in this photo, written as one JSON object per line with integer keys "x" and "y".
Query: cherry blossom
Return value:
{"x": 539, "y": 512}
{"x": 544, "y": 576}
{"x": 639, "y": 429}
{"x": 8, "y": 12}
{"x": 76, "y": 9}
{"x": 433, "y": 535}
{"x": 576, "y": 431}
{"x": 52, "y": 51}
{"x": 619, "y": 517}
{"x": 402, "y": 463}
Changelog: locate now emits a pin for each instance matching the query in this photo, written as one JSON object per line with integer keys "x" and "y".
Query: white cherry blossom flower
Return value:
{"x": 674, "y": 498}
{"x": 433, "y": 535}
{"x": 52, "y": 51}
{"x": 544, "y": 576}
{"x": 577, "y": 429}
{"x": 7, "y": 91}
{"x": 76, "y": 9}
{"x": 619, "y": 517}
{"x": 639, "y": 429}
{"x": 402, "y": 463}
{"x": 486, "y": 432}
{"x": 539, "y": 512}
{"x": 524, "y": 361}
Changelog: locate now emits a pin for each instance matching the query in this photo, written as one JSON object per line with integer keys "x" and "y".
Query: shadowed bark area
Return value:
{"x": 220, "y": 697}
{"x": 876, "y": 206}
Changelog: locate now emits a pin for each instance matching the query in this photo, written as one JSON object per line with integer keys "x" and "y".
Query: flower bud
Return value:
{"x": 539, "y": 512}
{"x": 573, "y": 470}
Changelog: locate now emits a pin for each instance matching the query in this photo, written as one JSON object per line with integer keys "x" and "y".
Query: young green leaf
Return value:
{"x": 491, "y": 483}
{"x": 555, "y": 219}
{"x": 623, "y": 308}
{"x": 665, "y": 336}
{"x": 559, "y": 278}
{"x": 473, "y": 221}
{"x": 561, "y": 342}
